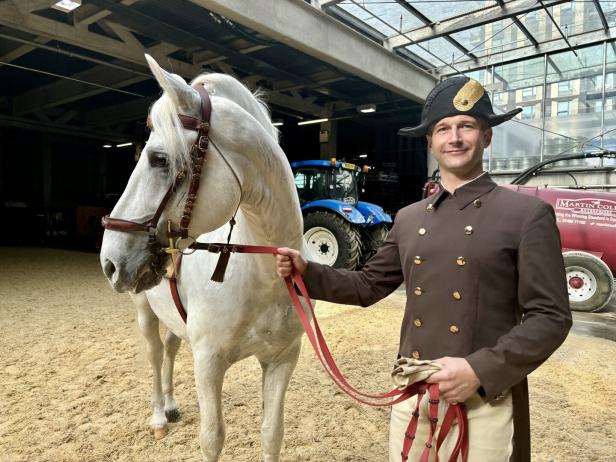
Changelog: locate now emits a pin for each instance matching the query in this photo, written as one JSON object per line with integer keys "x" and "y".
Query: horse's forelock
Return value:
{"x": 166, "y": 124}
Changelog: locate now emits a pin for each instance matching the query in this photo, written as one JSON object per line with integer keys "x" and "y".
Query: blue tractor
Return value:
{"x": 340, "y": 230}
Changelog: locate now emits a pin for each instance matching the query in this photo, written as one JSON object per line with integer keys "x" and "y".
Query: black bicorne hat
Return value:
{"x": 459, "y": 95}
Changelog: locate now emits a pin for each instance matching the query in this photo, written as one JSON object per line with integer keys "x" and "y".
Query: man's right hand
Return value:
{"x": 287, "y": 259}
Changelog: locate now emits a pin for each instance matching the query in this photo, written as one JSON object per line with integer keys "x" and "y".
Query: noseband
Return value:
{"x": 179, "y": 240}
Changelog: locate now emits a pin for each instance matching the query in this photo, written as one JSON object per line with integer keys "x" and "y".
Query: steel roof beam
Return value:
{"x": 601, "y": 15}
{"x": 525, "y": 31}
{"x": 154, "y": 28}
{"x": 325, "y": 3}
{"x": 552, "y": 46}
{"x": 62, "y": 129}
{"x": 311, "y": 31}
{"x": 37, "y": 25}
{"x": 467, "y": 21}
{"x": 65, "y": 91}
{"x": 419, "y": 15}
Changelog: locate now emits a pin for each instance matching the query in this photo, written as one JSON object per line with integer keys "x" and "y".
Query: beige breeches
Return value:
{"x": 490, "y": 430}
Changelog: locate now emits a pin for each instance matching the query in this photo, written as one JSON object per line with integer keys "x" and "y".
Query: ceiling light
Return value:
{"x": 315, "y": 121}
{"x": 107, "y": 146}
{"x": 123, "y": 145}
{"x": 366, "y": 108}
{"x": 278, "y": 123}
{"x": 66, "y": 6}
{"x": 363, "y": 156}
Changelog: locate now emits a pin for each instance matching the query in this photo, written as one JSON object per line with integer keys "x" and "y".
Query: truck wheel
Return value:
{"x": 589, "y": 281}
{"x": 332, "y": 240}
{"x": 373, "y": 238}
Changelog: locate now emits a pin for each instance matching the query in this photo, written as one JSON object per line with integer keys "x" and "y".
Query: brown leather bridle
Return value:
{"x": 198, "y": 153}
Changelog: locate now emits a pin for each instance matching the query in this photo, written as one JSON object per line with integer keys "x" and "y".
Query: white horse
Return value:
{"x": 250, "y": 313}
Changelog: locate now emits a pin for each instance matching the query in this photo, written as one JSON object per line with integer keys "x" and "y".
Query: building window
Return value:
{"x": 529, "y": 93}
{"x": 563, "y": 109}
{"x": 564, "y": 87}
{"x": 609, "y": 81}
{"x": 500, "y": 99}
{"x": 528, "y": 112}
{"x": 596, "y": 83}
{"x": 598, "y": 105}
{"x": 498, "y": 34}
{"x": 566, "y": 14}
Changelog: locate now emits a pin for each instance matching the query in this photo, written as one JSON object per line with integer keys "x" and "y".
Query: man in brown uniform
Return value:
{"x": 484, "y": 278}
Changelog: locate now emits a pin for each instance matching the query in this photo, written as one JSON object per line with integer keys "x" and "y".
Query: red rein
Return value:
{"x": 317, "y": 340}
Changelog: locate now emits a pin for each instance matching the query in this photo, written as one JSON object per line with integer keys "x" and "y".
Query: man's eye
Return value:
{"x": 158, "y": 160}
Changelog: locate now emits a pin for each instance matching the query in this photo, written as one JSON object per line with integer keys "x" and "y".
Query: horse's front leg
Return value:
{"x": 172, "y": 345}
{"x": 210, "y": 371}
{"x": 148, "y": 325}
{"x": 277, "y": 372}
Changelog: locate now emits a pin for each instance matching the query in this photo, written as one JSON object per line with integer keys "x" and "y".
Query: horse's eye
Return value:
{"x": 158, "y": 159}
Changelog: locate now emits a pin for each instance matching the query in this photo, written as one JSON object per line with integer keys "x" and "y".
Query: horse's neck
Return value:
{"x": 272, "y": 216}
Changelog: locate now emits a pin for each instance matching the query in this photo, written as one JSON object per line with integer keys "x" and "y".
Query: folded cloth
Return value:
{"x": 408, "y": 371}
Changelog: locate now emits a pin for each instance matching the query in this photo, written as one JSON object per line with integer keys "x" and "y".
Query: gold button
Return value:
{"x": 418, "y": 260}
{"x": 415, "y": 354}
{"x": 456, "y": 295}
{"x": 461, "y": 261}
{"x": 418, "y": 291}
{"x": 454, "y": 329}
{"x": 422, "y": 231}
{"x": 468, "y": 230}
{"x": 477, "y": 203}
{"x": 417, "y": 322}
{"x": 429, "y": 207}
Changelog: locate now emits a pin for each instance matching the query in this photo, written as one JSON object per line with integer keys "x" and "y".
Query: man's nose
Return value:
{"x": 454, "y": 135}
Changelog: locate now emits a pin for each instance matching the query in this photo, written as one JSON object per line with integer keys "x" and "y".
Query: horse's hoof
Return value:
{"x": 159, "y": 432}
{"x": 173, "y": 415}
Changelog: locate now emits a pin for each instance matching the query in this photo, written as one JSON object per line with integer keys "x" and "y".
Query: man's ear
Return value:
{"x": 429, "y": 140}
{"x": 487, "y": 137}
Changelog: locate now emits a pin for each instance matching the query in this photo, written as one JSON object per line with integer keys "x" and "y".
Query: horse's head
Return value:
{"x": 131, "y": 253}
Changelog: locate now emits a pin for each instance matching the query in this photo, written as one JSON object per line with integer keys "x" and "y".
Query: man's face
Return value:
{"x": 457, "y": 144}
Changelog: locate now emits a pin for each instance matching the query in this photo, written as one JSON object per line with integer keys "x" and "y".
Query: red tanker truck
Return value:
{"x": 587, "y": 224}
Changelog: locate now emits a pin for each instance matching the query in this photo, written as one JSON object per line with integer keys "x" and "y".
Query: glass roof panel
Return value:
{"x": 566, "y": 66}
{"x": 578, "y": 17}
{"x": 438, "y": 47}
{"x": 609, "y": 10}
{"x": 491, "y": 38}
{"x": 395, "y": 16}
{"x": 573, "y": 18}
{"x": 438, "y": 11}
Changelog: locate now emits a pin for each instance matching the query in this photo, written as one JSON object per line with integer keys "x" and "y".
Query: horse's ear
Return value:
{"x": 183, "y": 95}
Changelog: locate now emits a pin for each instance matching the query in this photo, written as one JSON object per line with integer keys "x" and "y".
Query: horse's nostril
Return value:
{"x": 109, "y": 269}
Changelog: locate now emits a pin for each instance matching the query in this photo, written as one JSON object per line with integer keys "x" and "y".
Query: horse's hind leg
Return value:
{"x": 277, "y": 372}
{"x": 172, "y": 345}
{"x": 149, "y": 325}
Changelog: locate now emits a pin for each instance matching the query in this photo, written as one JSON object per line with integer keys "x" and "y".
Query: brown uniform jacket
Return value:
{"x": 484, "y": 279}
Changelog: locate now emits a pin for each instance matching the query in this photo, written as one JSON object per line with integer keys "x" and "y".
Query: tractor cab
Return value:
{"x": 324, "y": 179}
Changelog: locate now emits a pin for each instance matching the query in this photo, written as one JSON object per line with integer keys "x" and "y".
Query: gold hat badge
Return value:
{"x": 468, "y": 95}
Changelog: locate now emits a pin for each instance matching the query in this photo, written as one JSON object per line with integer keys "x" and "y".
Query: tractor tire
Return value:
{"x": 373, "y": 238}
{"x": 332, "y": 240}
{"x": 590, "y": 282}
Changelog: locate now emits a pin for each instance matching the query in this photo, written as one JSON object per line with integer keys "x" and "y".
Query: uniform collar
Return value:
{"x": 468, "y": 192}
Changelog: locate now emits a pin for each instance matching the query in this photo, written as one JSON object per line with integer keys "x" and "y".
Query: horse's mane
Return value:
{"x": 163, "y": 115}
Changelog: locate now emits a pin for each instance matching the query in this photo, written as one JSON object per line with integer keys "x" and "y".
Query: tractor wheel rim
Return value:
{"x": 323, "y": 245}
{"x": 581, "y": 284}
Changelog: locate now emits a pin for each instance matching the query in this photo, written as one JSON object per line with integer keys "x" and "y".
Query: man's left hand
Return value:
{"x": 456, "y": 380}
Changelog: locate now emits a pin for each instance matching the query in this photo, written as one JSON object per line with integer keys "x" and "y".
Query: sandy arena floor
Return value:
{"x": 75, "y": 384}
